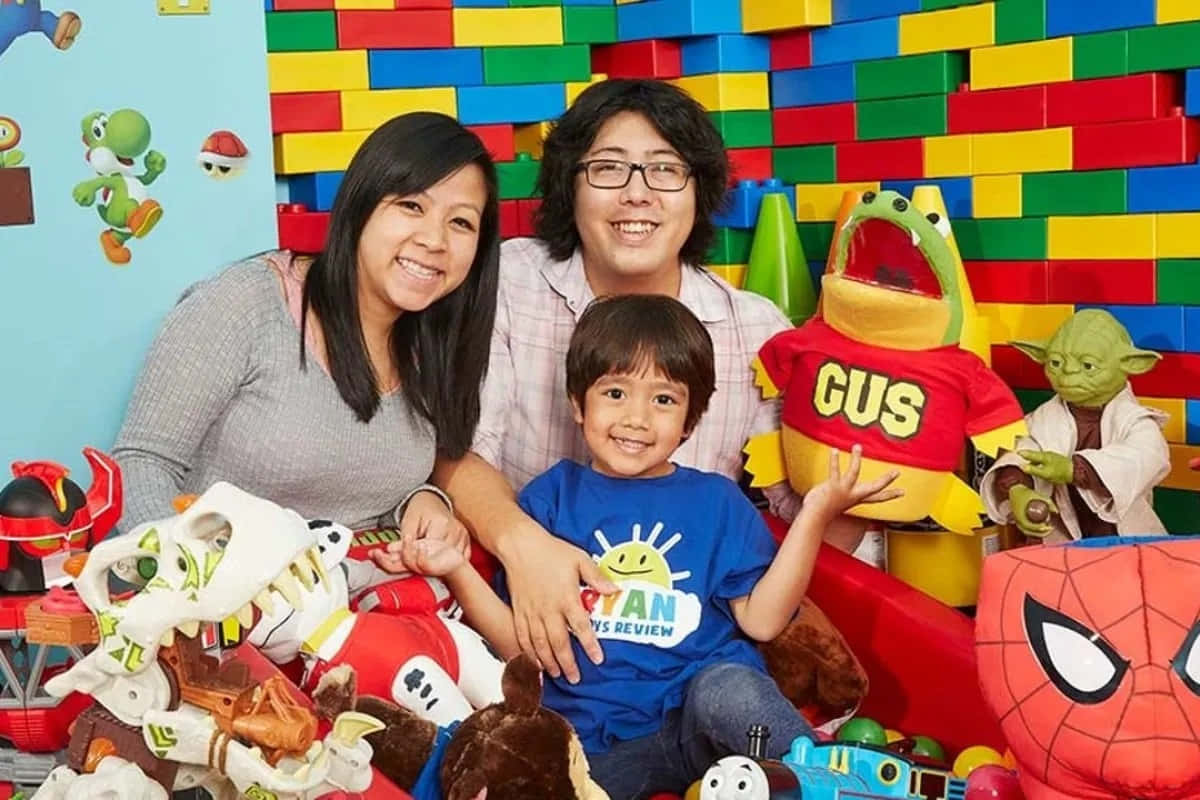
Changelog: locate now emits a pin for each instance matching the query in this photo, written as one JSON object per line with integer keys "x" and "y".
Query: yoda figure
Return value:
{"x": 1094, "y": 453}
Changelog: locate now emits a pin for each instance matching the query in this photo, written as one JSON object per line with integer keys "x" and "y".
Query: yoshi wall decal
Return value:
{"x": 16, "y": 186}
{"x": 114, "y": 142}
{"x": 19, "y": 17}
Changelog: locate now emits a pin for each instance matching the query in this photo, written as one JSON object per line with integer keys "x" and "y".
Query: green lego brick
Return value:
{"x": 1101, "y": 55}
{"x": 934, "y": 5}
{"x": 1032, "y": 398}
{"x": 1020, "y": 21}
{"x": 538, "y": 64}
{"x": 292, "y": 31}
{"x": 731, "y": 246}
{"x": 815, "y": 164}
{"x": 518, "y": 178}
{"x": 906, "y": 116}
{"x": 1179, "y": 509}
{"x": 589, "y": 24}
{"x": 816, "y": 238}
{"x": 1045, "y": 194}
{"x": 1177, "y": 282}
{"x": 1164, "y": 47}
{"x": 1001, "y": 239}
{"x": 742, "y": 128}
{"x": 929, "y": 73}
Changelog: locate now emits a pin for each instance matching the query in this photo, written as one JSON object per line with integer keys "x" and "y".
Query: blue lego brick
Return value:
{"x": 726, "y": 53}
{"x": 1191, "y": 332}
{"x": 531, "y": 102}
{"x": 268, "y": 5}
{"x": 1152, "y": 327}
{"x": 481, "y": 3}
{"x": 449, "y": 66}
{"x": 1192, "y": 413}
{"x": 816, "y": 269}
{"x": 744, "y": 201}
{"x": 661, "y": 19}
{"x": 812, "y": 86}
{"x": 315, "y": 190}
{"x": 1174, "y": 188}
{"x": 856, "y": 41}
{"x": 1192, "y": 96}
{"x": 1065, "y": 17}
{"x": 956, "y": 193}
{"x": 851, "y": 10}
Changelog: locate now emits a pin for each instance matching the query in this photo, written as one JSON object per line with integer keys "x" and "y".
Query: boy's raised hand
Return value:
{"x": 842, "y": 491}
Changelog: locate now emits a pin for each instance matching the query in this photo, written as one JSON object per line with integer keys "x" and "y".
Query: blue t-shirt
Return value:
{"x": 680, "y": 546}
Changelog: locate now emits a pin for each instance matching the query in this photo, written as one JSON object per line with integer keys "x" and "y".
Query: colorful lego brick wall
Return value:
{"x": 1063, "y": 135}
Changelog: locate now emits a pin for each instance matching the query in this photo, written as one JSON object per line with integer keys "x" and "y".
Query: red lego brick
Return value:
{"x": 384, "y": 29}
{"x": 652, "y": 58}
{"x": 749, "y": 164}
{"x": 813, "y": 124}
{"x": 791, "y": 50}
{"x": 1172, "y": 140}
{"x": 1176, "y": 375}
{"x": 301, "y": 230}
{"x": 1131, "y": 97}
{"x": 301, "y": 5}
{"x": 1017, "y": 369}
{"x": 525, "y": 210}
{"x": 876, "y": 160}
{"x": 996, "y": 110}
{"x": 1129, "y": 282}
{"x": 510, "y": 219}
{"x": 1007, "y": 281}
{"x": 306, "y": 111}
{"x": 498, "y": 139}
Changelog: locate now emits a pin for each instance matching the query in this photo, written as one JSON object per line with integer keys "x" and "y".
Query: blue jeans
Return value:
{"x": 721, "y": 704}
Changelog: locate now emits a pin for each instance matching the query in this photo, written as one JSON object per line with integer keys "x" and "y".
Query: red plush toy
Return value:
{"x": 1089, "y": 654}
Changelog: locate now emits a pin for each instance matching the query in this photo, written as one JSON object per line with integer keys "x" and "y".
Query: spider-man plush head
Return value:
{"x": 1089, "y": 654}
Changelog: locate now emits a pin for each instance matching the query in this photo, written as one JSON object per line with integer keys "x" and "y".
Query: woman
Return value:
{"x": 330, "y": 385}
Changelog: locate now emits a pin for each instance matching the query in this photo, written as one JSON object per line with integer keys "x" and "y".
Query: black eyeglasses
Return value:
{"x": 663, "y": 176}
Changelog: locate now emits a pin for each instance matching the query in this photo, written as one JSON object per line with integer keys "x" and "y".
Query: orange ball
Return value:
{"x": 892, "y": 735}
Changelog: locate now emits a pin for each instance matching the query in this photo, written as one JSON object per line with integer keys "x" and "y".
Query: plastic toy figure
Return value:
{"x": 1094, "y": 453}
{"x": 113, "y": 142}
{"x": 1089, "y": 655}
{"x": 882, "y": 365}
{"x": 44, "y": 516}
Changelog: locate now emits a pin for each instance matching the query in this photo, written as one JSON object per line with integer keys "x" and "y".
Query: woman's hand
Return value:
{"x": 544, "y": 575}
{"x": 425, "y": 517}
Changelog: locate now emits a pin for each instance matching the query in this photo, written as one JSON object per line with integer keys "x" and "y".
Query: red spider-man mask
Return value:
{"x": 1090, "y": 656}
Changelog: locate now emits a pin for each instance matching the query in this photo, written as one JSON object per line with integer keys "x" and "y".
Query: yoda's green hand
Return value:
{"x": 1048, "y": 466}
{"x": 1024, "y": 507}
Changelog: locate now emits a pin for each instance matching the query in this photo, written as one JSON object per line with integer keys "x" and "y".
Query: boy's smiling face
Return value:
{"x": 633, "y": 422}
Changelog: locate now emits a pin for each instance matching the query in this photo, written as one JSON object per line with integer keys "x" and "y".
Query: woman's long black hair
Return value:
{"x": 441, "y": 353}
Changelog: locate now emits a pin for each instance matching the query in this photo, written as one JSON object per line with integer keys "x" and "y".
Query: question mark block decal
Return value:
{"x": 181, "y": 7}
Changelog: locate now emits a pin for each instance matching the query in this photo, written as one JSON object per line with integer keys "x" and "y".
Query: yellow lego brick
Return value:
{"x": 1175, "y": 429}
{"x": 370, "y": 108}
{"x": 1176, "y": 236}
{"x": 1101, "y": 237}
{"x": 324, "y": 151}
{"x": 819, "y": 202}
{"x": 994, "y": 196}
{"x": 496, "y": 27}
{"x": 1176, "y": 11}
{"x": 774, "y": 15}
{"x": 950, "y": 29}
{"x": 529, "y": 138}
{"x": 947, "y": 156}
{"x": 733, "y": 274}
{"x": 728, "y": 91}
{"x": 1180, "y": 477}
{"x": 327, "y": 71}
{"x": 1046, "y": 150}
{"x": 348, "y": 4}
{"x": 1008, "y": 321}
{"x": 575, "y": 88}
{"x": 1022, "y": 64}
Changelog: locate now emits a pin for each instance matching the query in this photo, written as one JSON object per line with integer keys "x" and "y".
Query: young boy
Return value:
{"x": 698, "y": 573}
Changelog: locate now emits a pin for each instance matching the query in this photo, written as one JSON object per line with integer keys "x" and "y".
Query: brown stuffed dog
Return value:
{"x": 516, "y": 749}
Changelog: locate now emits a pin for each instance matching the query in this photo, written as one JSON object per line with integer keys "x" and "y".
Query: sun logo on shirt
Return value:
{"x": 639, "y": 560}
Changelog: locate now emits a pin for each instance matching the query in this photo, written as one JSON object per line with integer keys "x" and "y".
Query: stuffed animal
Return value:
{"x": 515, "y": 749}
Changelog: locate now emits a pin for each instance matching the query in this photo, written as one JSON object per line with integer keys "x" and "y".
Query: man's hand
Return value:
{"x": 544, "y": 575}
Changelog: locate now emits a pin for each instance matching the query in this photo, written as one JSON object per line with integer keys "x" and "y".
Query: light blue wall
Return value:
{"x": 74, "y": 328}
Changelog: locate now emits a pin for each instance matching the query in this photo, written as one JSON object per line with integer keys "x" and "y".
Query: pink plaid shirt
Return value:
{"x": 526, "y": 424}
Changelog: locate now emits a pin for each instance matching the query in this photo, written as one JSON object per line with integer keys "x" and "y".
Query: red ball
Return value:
{"x": 993, "y": 782}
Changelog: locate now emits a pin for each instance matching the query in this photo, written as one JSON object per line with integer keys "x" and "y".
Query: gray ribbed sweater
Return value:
{"x": 222, "y": 397}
